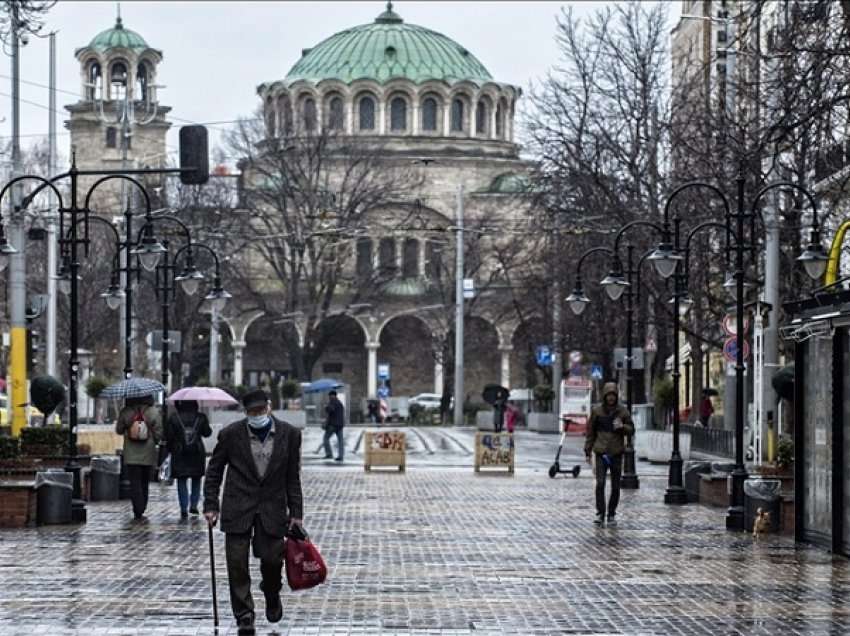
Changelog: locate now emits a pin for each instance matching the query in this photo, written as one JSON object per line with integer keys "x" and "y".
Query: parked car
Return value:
{"x": 429, "y": 400}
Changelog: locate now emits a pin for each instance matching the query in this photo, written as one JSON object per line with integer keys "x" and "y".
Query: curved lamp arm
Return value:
{"x": 632, "y": 224}
{"x": 688, "y": 186}
{"x": 125, "y": 178}
{"x": 28, "y": 199}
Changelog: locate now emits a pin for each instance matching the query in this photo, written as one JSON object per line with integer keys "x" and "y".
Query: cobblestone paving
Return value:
{"x": 436, "y": 550}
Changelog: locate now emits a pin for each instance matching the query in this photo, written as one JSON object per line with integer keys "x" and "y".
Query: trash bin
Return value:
{"x": 53, "y": 496}
{"x": 764, "y": 494}
{"x": 692, "y": 473}
{"x": 105, "y": 478}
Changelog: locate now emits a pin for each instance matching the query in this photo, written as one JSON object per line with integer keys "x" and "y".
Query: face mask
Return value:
{"x": 258, "y": 421}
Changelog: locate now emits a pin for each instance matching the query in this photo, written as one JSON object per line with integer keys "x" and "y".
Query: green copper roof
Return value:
{"x": 387, "y": 49}
{"x": 118, "y": 37}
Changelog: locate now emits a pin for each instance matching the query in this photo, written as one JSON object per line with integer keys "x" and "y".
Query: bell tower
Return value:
{"x": 118, "y": 121}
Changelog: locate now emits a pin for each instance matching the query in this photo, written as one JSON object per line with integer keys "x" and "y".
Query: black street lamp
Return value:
{"x": 193, "y": 151}
{"x": 814, "y": 259}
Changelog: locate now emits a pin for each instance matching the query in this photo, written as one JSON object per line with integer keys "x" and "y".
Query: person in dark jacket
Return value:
{"x": 262, "y": 502}
{"x": 185, "y": 430}
{"x": 139, "y": 454}
{"x": 333, "y": 426}
{"x": 609, "y": 424}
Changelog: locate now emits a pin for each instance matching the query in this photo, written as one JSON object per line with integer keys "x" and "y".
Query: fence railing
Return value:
{"x": 714, "y": 441}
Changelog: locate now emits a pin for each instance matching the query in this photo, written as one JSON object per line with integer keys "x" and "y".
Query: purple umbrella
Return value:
{"x": 205, "y": 396}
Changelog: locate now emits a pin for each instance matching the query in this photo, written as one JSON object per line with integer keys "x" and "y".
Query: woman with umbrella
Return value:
{"x": 185, "y": 429}
{"x": 140, "y": 424}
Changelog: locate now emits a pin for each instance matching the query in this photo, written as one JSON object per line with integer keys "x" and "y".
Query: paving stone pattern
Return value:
{"x": 436, "y": 550}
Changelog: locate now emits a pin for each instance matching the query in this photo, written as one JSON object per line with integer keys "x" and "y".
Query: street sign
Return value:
{"x": 730, "y": 349}
{"x": 544, "y": 356}
{"x": 596, "y": 371}
{"x": 730, "y": 324}
{"x": 469, "y": 288}
{"x": 651, "y": 346}
{"x": 575, "y": 357}
{"x": 383, "y": 371}
{"x": 383, "y": 392}
{"x": 620, "y": 358}
{"x": 154, "y": 341}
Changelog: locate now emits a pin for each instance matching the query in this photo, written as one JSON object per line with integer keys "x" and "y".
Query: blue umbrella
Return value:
{"x": 322, "y": 385}
{"x": 131, "y": 388}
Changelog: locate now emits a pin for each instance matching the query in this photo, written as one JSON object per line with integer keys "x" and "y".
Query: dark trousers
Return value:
{"x": 139, "y": 477}
{"x": 327, "y": 441}
{"x": 602, "y": 469}
{"x": 268, "y": 549}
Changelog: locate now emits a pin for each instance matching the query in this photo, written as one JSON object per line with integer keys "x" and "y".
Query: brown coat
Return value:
{"x": 276, "y": 497}
{"x": 603, "y": 437}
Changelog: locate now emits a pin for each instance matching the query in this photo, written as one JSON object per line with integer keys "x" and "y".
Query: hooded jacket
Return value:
{"x": 604, "y": 434}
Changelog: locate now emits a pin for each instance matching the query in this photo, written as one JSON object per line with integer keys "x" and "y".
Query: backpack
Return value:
{"x": 138, "y": 430}
{"x": 190, "y": 434}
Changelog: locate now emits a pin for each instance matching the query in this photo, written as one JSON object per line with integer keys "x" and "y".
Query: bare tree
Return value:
{"x": 306, "y": 200}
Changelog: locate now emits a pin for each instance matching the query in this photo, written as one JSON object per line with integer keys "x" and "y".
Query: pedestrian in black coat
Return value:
{"x": 186, "y": 429}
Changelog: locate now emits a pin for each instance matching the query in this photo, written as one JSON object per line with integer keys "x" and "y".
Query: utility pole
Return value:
{"x": 17, "y": 261}
{"x": 556, "y": 333}
{"x": 459, "y": 396}
{"x": 52, "y": 245}
{"x": 213, "y": 345}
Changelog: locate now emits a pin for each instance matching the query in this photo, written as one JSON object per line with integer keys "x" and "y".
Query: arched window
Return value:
{"x": 336, "y": 119}
{"x": 500, "y": 121}
{"x": 429, "y": 114}
{"x": 457, "y": 115}
{"x": 118, "y": 81}
{"x": 432, "y": 262}
{"x": 386, "y": 256}
{"x": 94, "y": 89}
{"x": 481, "y": 113}
{"x": 410, "y": 258}
{"x": 364, "y": 258}
{"x": 367, "y": 113}
{"x": 284, "y": 115}
{"x": 398, "y": 114}
{"x": 309, "y": 114}
{"x": 270, "y": 117}
{"x": 142, "y": 82}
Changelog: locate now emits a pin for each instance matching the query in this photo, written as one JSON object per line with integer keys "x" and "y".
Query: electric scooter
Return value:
{"x": 555, "y": 468}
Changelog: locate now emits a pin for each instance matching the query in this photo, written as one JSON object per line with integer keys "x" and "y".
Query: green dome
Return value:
{"x": 387, "y": 49}
{"x": 118, "y": 37}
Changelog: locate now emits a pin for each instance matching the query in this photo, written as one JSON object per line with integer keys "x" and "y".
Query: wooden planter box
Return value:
{"x": 385, "y": 448}
{"x": 17, "y": 504}
{"x": 494, "y": 451}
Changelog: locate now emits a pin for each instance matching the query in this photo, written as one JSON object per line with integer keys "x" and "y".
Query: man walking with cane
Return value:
{"x": 262, "y": 500}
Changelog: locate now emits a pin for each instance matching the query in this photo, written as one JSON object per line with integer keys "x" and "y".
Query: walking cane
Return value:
{"x": 212, "y": 572}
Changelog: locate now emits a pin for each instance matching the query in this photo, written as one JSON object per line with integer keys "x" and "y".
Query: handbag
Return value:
{"x": 165, "y": 469}
{"x": 305, "y": 567}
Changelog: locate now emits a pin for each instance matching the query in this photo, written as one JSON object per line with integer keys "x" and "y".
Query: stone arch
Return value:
{"x": 501, "y": 121}
{"x": 523, "y": 339}
{"x": 113, "y": 76}
{"x": 482, "y": 361}
{"x": 266, "y": 355}
{"x": 406, "y": 344}
{"x": 93, "y": 79}
{"x": 283, "y": 107}
{"x": 483, "y": 111}
{"x": 270, "y": 117}
{"x": 344, "y": 355}
{"x": 398, "y": 113}
{"x": 334, "y": 107}
{"x": 431, "y": 108}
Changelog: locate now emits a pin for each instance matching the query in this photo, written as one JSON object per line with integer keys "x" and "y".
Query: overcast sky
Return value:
{"x": 216, "y": 53}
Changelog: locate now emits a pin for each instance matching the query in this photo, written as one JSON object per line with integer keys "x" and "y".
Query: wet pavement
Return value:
{"x": 436, "y": 550}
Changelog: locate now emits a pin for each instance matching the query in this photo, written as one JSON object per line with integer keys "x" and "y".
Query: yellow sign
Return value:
{"x": 494, "y": 450}
{"x": 385, "y": 448}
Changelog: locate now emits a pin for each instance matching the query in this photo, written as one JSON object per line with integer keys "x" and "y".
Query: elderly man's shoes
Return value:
{"x": 245, "y": 624}
{"x": 274, "y": 608}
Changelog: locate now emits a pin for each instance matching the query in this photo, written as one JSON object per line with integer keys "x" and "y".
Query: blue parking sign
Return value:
{"x": 544, "y": 356}
{"x": 596, "y": 371}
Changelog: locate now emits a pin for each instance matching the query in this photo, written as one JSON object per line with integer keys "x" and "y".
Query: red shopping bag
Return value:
{"x": 305, "y": 567}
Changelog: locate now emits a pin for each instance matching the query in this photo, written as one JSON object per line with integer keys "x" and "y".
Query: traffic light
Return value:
{"x": 33, "y": 349}
{"x": 194, "y": 155}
